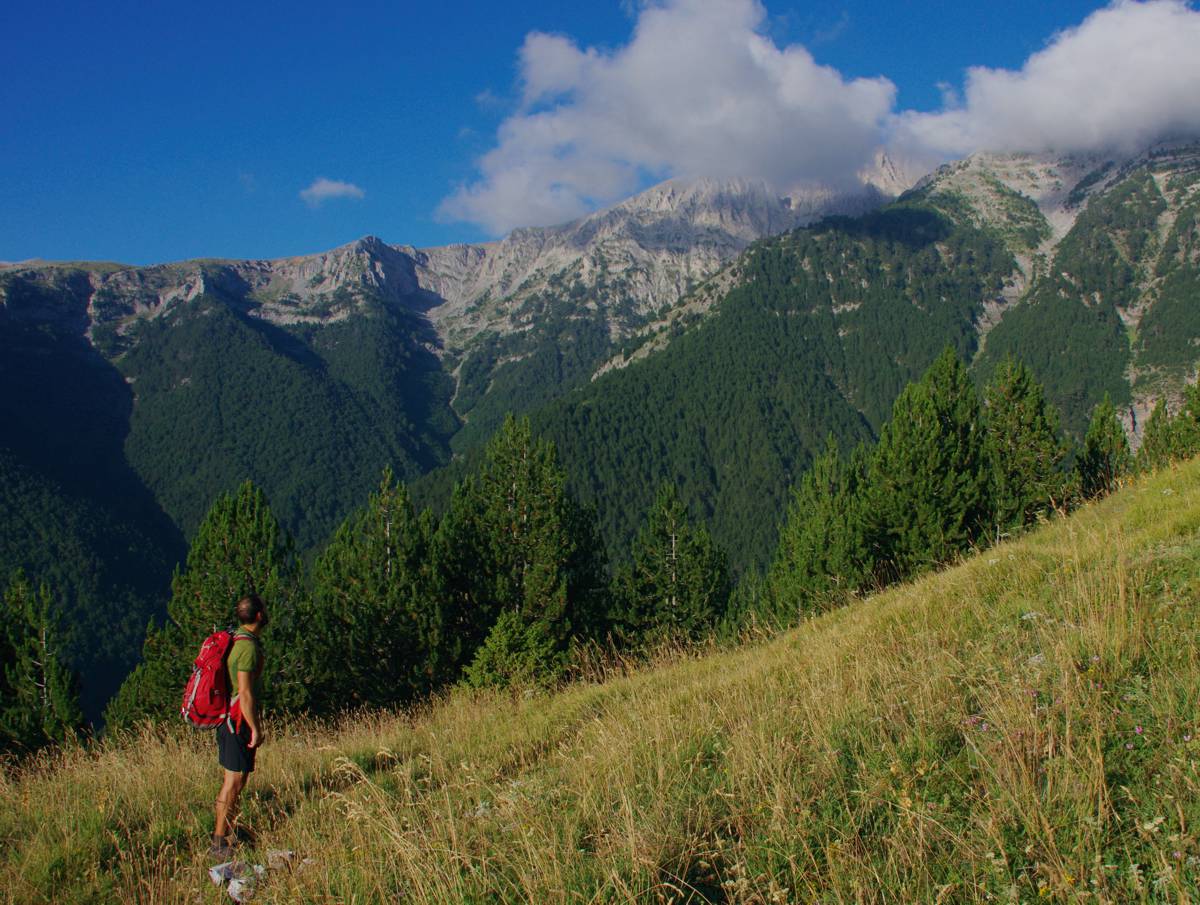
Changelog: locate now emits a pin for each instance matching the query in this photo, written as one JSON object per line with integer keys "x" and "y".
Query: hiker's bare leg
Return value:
{"x": 227, "y": 802}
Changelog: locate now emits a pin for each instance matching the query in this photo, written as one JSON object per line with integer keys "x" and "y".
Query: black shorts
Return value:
{"x": 233, "y": 748}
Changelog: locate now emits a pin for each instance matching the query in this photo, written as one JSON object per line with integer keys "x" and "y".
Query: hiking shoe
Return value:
{"x": 220, "y": 849}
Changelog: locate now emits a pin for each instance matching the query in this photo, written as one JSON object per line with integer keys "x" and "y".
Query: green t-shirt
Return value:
{"x": 245, "y": 656}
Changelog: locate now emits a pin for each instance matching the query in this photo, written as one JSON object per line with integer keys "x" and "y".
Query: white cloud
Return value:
{"x": 698, "y": 90}
{"x": 1125, "y": 77}
{"x": 323, "y": 190}
{"x": 701, "y": 90}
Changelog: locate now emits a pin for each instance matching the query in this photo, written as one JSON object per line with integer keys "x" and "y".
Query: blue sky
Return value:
{"x": 141, "y": 132}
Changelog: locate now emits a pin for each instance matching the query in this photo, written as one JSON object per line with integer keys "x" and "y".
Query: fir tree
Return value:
{"x": 822, "y": 552}
{"x": 514, "y": 541}
{"x": 374, "y": 620}
{"x": 238, "y": 549}
{"x": 929, "y": 493}
{"x": 1105, "y": 458}
{"x": 40, "y": 700}
{"x": 1024, "y": 450}
{"x": 678, "y": 582}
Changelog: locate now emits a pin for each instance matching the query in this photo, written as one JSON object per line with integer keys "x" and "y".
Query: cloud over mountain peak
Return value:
{"x": 701, "y": 90}
{"x": 1127, "y": 76}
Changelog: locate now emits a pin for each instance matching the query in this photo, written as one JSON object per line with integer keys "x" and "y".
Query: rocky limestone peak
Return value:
{"x": 1058, "y": 184}
{"x": 639, "y": 255}
{"x": 891, "y": 173}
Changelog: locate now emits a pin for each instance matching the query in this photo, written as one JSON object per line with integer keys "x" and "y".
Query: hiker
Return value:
{"x": 241, "y": 734}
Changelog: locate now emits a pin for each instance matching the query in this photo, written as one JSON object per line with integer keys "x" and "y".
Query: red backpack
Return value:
{"x": 207, "y": 693}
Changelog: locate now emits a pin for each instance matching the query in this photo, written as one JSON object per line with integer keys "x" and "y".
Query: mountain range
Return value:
{"x": 706, "y": 333}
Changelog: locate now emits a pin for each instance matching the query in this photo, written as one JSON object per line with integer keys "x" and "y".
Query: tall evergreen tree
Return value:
{"x": 514, "y": 542}
{"x": 1025, "y": 451}
{"x": 373, "y": 622}
{"x": 929, "y": 483}
{"x": 678, "y": 582}
{"x": 822, "y": 550}
{"x": 238, "y": 549}
{"x": 1169, "y": 439}
{"x": 1105, "y": 457}
{"x": 1158, "y": 439}
{"x": 1186, "y": 433}
{"x": 39, "y": 704}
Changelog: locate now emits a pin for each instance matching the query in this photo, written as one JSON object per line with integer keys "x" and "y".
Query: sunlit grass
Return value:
{"x": 1019, "y": 728}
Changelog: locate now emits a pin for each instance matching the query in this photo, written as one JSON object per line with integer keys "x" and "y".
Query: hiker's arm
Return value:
{"x": 249, "y": 707}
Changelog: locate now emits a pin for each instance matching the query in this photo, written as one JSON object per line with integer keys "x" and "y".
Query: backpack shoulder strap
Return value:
{"x": 239, "y": 635}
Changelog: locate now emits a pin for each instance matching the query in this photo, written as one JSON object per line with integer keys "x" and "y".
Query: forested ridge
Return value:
{"x": 825, "y": 329}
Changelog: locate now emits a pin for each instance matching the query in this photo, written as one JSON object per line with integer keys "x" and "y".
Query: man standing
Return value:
{"x": 239, "y": 736}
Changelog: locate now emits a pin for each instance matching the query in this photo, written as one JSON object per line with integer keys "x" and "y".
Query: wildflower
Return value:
{"x": 1187, "y": 736}
{"x": 1129, "y": 745}
{"x": 1137, "y": 729}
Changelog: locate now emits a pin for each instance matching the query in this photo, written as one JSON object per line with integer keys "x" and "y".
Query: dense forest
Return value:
{"x": 513, "y": 582}
{"x": 825, "y": 329}
{"x": 74, "y": 512}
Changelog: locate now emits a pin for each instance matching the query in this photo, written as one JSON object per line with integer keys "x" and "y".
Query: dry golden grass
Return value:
{"x": 1018, "y": 728}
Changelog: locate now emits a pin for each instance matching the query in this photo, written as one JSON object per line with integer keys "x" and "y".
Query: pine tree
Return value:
{"x": 1158, "y": 439}
{"x": 929, "y": 483}
{"x": 374, "y": 620}
{"x": 238, "y": 549}
{"x": 822, "y": 553}
{"x": 1105, "y": 458}
{"x": 678, "y": 583}
{"x": 1024, "y": 450}
{"x": 514, "y": 541}
{"x": 40, "y": 695}
{"x": 1169, "y": 439}
{"x": 1186, "y": 425}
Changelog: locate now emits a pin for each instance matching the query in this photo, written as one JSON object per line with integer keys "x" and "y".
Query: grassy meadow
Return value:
{"x": 1020, "y": 728}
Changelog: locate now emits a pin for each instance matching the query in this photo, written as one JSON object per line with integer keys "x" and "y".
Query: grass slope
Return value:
{"x": 1019, "y": 728}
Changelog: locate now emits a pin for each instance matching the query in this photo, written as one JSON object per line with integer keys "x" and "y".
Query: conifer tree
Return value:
{"x": 374, "y": 619}
{"x": 1158, "y": 439}
{"x": 929, "y": 488}
{"x": 1105, "y": 457}
{"x": 1024, "y": 449}
{"x": 515, "y": 542}
{"x": 822, "y": 551}
{"x": 678, "y": 582}
{"x": 238, "y": 549}
{"x": 39, "y": 695}
{"x": 1186, "y": 425}
{"x": 1169, "y": 439}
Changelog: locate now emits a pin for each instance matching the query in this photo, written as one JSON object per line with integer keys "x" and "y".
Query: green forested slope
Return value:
{"x": 310, "y": 414}
{"x": 72, "y": 512}
{"x": 827, "y": 326}
{"x": 1116, "y": 312}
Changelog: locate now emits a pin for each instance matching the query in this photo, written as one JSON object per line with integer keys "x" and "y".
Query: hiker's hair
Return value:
{"x": 248, "y": 608}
